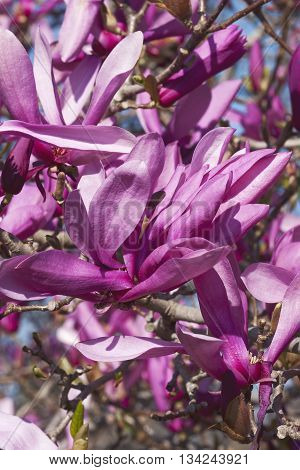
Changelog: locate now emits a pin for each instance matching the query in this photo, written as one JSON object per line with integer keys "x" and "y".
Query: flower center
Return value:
{"x": 59, "y": 154}
{"x": 254, "y": 359}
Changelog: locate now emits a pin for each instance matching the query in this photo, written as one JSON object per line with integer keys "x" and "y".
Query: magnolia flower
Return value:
{"x": 104, "y": 219}
{"x": 20, "y": 86}
{"x": 220, "y": 51}
{"x": 139, "y": 246}
{"x": 207, "y": 199}
{"x": 225, "y": 355}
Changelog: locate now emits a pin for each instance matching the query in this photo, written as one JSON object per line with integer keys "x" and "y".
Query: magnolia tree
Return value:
{"x": 149, "y": 231}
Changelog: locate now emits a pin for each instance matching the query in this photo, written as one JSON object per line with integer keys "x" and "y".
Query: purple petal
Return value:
{"x": 159, "y": 373}
{"x": 149, "y": 118}
{"x": 173, "y": 249}
{"x": 230, "y": 226}
{"x": 88, "y": 323}
{"x": 27, "y": 212}
{"x": 77, "y": 224}
{"x": 176, "y": 181}
{"x": 211, "y": 149}
{"x": 13, "y": 286}
{"x": 266, "y": 282}
{"x": 203, "y": 107}
{"x": 92, "y": 177}
{"x": 202, "y": 209}
{"x": 44, "y": 78}
{"x": 289, "y": 321}
{"x": 288, "y": 257}
{"x": 177, "y": 271}
{"x": 121, "y": 200}
{"x": 223, "y": 312}
{"x": 124, "y": 348}
{"x": 94, "y": 138}
{"x": 172, "y": 161}
{"x": 250, "y": 182}
{"x": 182, "y": 198}
{"x": 17, "y": 86}
{"x": 78, "y": 87}
{"x": 113, "y": 73}
{"x": 78, "y": 21}
{"x": 150, "y": 150}
{"x": 205, "y": 351}
{"x": 221, "y": 302}
{"x": 220, "y": 51}
{"x": 17, "y": 434}
{"x": 74, "y": 277}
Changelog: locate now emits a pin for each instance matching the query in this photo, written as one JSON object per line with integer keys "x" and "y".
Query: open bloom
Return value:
{"x": 225, "y": 355}
{"x": 104, "y": 219}
{"x": 21, "y": 85}
{"x": 141, "y": 246}
{"x": 220, "y": 51}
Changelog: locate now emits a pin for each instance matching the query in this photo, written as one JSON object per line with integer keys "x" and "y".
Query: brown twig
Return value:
{"x": 171, "y": 310}
{"x": 14, "y": 245}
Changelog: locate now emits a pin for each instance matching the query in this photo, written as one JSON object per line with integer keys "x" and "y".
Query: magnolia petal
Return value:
{"x": 77, "y": 223}
{"x": 92, "y": 178}
{"x": 202, "y": 209}
{"x": 78, "y": 87}
{"x": 289, "y": 321}
{"x": 44, "y": 79}
{"x": 149, "y": 118}
{"x": 230, "y": 226}
{"x": 17, "y": 86}
{"x": 121, "y": 200}
{"x": 169, "y": 250}
{"x": 125, "y": 348}
{"x": 211, "y": 148}
{"x": 222, "y": 308}
{"x": 205, "y": 351}
{"x": 113, "y": 73}
{"x": 202, "y": 108}
{"x": 254, "y": 181}
{"x": 150, "y": 150}
{"x": 12, "y": 286}
{"x": 266, "y": 282}
{"x": 177, "y": 271}
{"x": 78, "y": 21}
{"x": 256, "y": 65}
{"x": 74, "y": 276}
{"x": 17, "y": 434}
{"x": 94, "y": 138}
{"x": 221, "y": 302}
